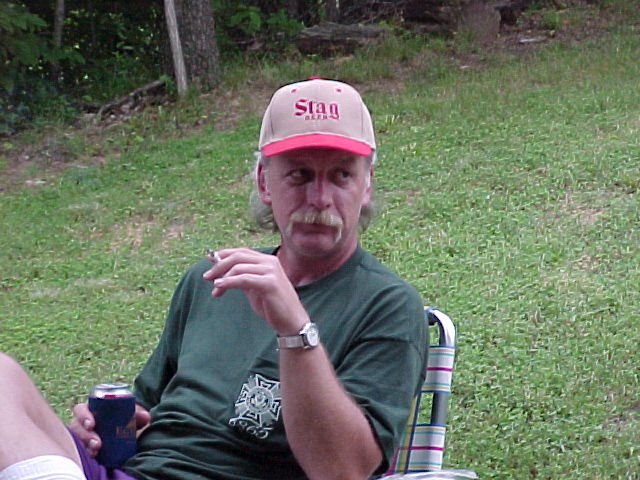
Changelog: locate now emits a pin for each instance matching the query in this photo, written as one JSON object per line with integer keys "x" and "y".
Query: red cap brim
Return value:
{"x": 316, "y": 140}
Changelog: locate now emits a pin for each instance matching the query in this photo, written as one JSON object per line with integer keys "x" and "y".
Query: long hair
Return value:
{"x": 263, "y": 214}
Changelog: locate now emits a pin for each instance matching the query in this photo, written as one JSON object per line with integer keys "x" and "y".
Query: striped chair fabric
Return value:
{"x": 422, "y": 445}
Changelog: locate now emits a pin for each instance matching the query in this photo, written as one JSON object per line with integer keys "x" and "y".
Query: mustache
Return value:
{"x": 321, "y": 217}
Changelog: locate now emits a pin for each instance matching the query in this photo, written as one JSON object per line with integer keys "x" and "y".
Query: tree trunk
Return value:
{"x": 331, "y": 12}
{"x": 92, "y": 25}
{"x": 176, "y": 47}
{"x": 58, "y": 24}
{"x": 292, "y": 8}
{"x": 197, "y": 34}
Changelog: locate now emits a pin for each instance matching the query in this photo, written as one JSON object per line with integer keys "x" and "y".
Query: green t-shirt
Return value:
{"x": 212, "y": 383}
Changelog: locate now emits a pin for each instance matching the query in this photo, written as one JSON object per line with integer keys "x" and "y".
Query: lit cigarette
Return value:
{"x": 213, "y": 256}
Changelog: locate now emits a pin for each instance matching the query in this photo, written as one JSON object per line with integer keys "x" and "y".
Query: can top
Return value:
{"x": 111, "y": 390}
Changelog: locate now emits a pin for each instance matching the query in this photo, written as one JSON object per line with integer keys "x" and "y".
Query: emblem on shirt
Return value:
{"x": 258, "y": 406}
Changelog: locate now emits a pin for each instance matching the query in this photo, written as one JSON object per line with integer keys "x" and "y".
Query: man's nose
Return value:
{"x": 319, "y": 194}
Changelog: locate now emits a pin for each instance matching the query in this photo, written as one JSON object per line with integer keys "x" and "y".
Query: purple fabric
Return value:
{"x": 92, "y": 469}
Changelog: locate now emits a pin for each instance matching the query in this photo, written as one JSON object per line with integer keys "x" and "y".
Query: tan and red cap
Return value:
{"x": 317, "y": 113}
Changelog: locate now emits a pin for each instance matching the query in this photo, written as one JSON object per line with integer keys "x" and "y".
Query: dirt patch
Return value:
{"x": 623, "y": 421}
{"x": 585, "y": 214}
{"x": 130, "y": 235}
{"x": 32, "y": 160}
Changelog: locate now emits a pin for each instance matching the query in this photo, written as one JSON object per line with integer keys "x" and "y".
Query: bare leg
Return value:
{"x": 28, "y": 426}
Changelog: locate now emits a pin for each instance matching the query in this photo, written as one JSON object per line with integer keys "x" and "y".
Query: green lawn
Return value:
{"x": 510, "y": 200}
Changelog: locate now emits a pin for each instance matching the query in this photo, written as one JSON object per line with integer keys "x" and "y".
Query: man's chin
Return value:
{"x": 317, "y": 245}
{"x": 316, "y": 231}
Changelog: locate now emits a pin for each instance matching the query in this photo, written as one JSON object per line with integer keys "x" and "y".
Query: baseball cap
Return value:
{"x": 316, "y": 113}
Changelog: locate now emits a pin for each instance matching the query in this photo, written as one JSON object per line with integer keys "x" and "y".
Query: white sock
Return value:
{"x": 45, "y": 467}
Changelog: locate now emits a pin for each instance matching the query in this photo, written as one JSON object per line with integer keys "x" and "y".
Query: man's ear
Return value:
{"x": 368, "y": 187}
{"x": 261, "y": 181}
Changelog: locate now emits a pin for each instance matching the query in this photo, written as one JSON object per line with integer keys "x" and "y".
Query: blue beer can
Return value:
{"x": 113, "y": 405}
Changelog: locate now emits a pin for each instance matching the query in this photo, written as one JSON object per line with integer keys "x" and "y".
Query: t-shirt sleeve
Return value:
{"x": 162, "y": 364}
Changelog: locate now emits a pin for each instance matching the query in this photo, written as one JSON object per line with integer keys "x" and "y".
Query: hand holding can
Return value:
{"x": 113, "y": 406}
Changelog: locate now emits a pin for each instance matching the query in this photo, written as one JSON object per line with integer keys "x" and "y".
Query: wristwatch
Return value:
{"x": 306, "y": 338}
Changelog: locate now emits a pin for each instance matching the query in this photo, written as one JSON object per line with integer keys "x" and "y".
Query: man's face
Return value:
{"x": 316, "y": 196}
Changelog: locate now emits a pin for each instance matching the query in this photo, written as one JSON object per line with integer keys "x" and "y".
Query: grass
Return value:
{"x": 510, "y": 201}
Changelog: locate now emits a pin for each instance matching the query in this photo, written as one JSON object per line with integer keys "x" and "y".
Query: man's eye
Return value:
{"x": 297, "y": 175}
{"x": 343, "y": 174}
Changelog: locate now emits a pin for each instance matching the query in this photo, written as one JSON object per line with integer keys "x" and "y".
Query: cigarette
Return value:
{"x": 213, "y": 256}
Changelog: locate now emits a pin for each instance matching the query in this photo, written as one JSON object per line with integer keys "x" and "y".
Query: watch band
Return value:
{"x": 290, "y": 341}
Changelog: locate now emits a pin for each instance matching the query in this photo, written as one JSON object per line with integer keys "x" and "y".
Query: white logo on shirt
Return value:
{"x": 258, "y": 406}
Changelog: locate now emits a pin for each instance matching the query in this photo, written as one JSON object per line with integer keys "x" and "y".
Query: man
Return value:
{"x": 280, "y": 363}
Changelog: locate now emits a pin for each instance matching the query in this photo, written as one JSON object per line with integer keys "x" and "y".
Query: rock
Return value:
{"x": 446, "y": 16}
{"x": 481, "y": 19}
{"x": 510, "y": 10}
{"x": 440, "y": 12}
{"x": 328, "y": 39}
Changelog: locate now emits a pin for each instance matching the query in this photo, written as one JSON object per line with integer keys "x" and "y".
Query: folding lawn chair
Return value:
{"x": 422, "y": 445}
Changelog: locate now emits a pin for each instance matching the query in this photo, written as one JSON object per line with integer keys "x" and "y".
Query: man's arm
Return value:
{"x": 327, "y": 431}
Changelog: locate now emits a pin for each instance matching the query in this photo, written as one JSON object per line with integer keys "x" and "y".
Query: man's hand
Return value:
{"x": 83, "y": 424}
{"x": 261, "y": 277}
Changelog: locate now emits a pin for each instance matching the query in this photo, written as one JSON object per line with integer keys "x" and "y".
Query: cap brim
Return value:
{"x": 316, "y": 140}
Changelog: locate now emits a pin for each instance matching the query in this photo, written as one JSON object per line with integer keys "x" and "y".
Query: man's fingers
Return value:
{"x": 243, "y": 281}
{"x": 83, "y": 425}
{"x": 239, "y": 261}
{"x": 83, "y": 416}
{"x": 143, "y": 417}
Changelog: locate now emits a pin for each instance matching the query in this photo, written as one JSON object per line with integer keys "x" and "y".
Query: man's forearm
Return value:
{"x": 327, "y": 431}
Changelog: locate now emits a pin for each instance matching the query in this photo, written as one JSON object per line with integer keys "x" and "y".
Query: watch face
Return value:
{"x": 312, "y": 335}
